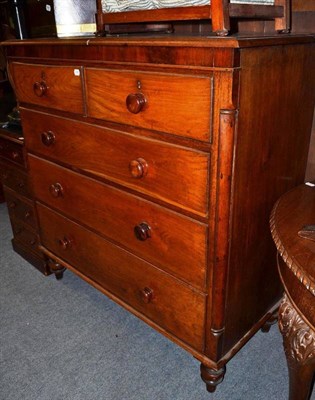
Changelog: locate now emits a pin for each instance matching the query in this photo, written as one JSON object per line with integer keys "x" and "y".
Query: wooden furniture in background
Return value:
{"x": 219, "y": 11}
{"x": 295, "y": 240}
{"x": 155, "y": 163}
{"x": 14, "y": 178}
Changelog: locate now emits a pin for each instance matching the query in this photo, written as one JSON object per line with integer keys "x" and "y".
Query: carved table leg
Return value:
{"x": 212, "y": 377}
{"x": 299, "y": 347}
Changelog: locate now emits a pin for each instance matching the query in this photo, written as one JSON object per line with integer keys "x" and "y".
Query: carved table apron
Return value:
{"x": 290, "y": 219}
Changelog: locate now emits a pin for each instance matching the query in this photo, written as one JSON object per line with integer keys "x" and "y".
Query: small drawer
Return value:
{"x": 155, "y": 101}
{"x": 15, "y": 179}
{"x": 171, "y": 173}
{"x": 175, "y": 243}
{"x": 166, "y": 301}
{"x": 24, "y": 235}
{"x": 58, "y": 87}
{"x": 11, "y": 151}
{"x": 21, "y": 209}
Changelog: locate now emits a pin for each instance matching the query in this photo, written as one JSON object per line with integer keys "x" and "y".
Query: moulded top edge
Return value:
{"x": 169, "y": 41}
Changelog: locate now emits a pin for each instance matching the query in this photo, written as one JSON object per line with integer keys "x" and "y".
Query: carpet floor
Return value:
{"x": 64, "y": 340}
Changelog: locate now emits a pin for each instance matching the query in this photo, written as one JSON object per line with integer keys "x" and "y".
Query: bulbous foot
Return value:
{"x": 211, "y": 377}
{"x": 56, "y": 269}
{"x": 271, "y": 321}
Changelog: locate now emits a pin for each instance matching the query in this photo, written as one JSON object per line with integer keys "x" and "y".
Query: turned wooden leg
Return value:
{"x": 271, "y": 321}
{"x": 212, "y": 377}
{"x": 299, "y": 347}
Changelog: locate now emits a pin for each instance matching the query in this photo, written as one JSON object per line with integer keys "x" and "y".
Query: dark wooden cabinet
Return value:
{"x": 155, "y": 163}
{"x": 20, "y": 202}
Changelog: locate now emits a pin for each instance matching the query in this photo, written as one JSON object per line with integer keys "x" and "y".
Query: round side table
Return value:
{"x": 292, "y": 225}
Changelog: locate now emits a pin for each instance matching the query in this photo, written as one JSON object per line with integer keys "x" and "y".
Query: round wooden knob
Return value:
{"x": 135, "y": 102}
{"x": 21, "y": 184}
{"x": 65, "y": 243}
{"x": 146, "y": 295}
{"x": 40, "y": 88}
{"x": 56, "y": 190}
{"x": 12, "y": 204}
{"x": 142, "y": 231}
{"x": 48, "y": 138}
{"x": 27, "y": 214}
{"x": 15, "y": 155}
{"x": 138, "y": 168}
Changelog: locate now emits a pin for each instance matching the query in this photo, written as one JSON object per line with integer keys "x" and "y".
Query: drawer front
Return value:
{"x": 24, "y": 235}
{"x": 14, "y": 179}
{"x": 167, "y": 239}
{"x": 160, "y": 297}
{"x": 170, "y": 173}
{"x": 56, "y": 87}
{"x": 21, "y": 209}
{"x": 11, "y": 151}
{"x": 167, "y": 102}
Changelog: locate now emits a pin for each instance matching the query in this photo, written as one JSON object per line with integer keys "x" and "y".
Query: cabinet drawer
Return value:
{"x": 173, "y": 174}
{"x": 163, "y": 299}
{"x": 163, "y": 102}
{"x": 58, "y": 87}
{"x": 11, "y": 151}
{"x": 24, "y": 235}
{"x": 21, "y": 209}
{"x": 15, "y": 179}
{"x": 167, "y": 239}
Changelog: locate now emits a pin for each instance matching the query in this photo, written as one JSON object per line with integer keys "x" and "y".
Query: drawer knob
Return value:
{"x": 135, "y": 102}
{"x": 15, "y": 155}
{"x": 40, "y": 88}
{"x": 65, "y": 243}
{"x": 146, "y": 295}
{"x": 138, "y": 168}
{"x": 12, "y": 204}
{"x": 48, "y": 138}
{"x": 142, "y": 231}
{"x": 56, "y": 190}
{"x": 27, "y": 214}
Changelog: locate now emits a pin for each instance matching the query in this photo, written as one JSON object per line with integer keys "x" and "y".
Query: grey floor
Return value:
{"x": 64, "y": 340}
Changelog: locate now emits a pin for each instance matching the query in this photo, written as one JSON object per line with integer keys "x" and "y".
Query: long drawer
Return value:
{"x": 169, "y": 303}
{"x": 58, "y": 87}
{"x": 22, "y": 209}
{"x": 157, "y": 101}
{"x": 174, "y": 174}
{"x": 170, "y": 240}
{"x": 28, "y": 237}
{"x": 11, "y": 151}
{"x": 15, "y": 179}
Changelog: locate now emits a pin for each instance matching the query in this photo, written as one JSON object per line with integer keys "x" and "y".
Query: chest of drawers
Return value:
{"x": 155, "y": 163}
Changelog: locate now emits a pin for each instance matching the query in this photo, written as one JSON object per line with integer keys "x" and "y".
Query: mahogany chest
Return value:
{"x": 155, "y": 163}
